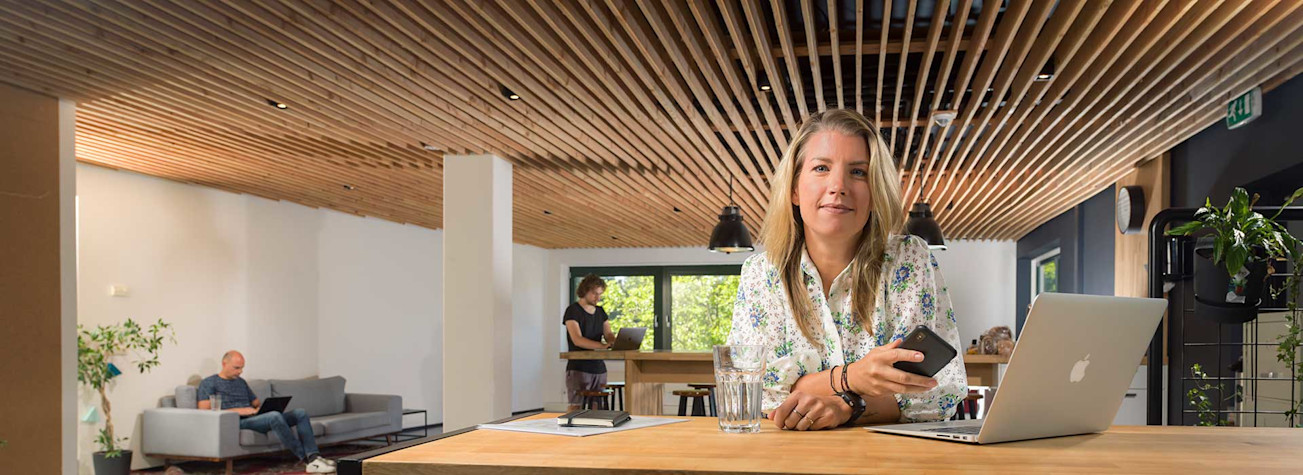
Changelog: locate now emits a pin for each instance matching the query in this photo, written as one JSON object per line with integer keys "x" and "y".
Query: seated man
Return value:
{"x": 238, "y": 397}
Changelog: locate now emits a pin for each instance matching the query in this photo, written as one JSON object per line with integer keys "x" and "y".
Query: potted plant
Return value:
{"x": 1235, "y": 250}
{"x": 95, "y": 350}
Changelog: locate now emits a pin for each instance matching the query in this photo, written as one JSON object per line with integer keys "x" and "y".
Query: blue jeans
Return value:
{"x": 302, "y": 447}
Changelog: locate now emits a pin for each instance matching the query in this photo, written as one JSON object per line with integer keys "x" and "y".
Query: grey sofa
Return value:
{"x": 178, "y": 430}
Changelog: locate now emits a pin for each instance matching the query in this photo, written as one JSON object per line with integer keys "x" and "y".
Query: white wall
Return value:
{"x": 981, "y": 277}
{"x": 300, "y": 291}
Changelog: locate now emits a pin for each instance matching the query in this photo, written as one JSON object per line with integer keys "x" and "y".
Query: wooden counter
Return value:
{"x": 646, "y": 372}
{"x": 698, "y": 446}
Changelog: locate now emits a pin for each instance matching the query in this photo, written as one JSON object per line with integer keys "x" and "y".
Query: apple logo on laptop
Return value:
{"x": 1079, "y": 370}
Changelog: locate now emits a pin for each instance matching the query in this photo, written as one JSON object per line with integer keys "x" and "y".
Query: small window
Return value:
{"x": 1045, "y": 273}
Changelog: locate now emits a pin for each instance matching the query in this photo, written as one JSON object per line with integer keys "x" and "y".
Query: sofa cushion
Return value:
{"x": 186, "y": 397}
{"x": 261, "y": 388}
{"x": 249, "y": 438}
{"x": 352, "y": 421}
{"x": 319, "y": 397}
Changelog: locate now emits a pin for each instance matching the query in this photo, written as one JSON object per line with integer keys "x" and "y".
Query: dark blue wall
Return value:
{"x": 1268, "y": 151}
{"x": 1084, "y": 236}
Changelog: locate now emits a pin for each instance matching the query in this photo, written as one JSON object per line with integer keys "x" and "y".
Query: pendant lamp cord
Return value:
{"x": 730, "y": 190}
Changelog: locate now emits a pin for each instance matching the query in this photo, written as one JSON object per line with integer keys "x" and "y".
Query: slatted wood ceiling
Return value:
{"x": 634, "y": 114}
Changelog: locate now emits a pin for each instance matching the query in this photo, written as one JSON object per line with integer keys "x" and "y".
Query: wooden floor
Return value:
{"x": 698, "y": 446}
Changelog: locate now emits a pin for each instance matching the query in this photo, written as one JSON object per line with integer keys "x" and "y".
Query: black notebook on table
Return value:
{"x": 593, "y": 418}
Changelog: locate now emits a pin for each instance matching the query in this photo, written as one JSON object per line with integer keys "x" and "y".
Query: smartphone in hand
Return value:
{"x": 936, "y": 352}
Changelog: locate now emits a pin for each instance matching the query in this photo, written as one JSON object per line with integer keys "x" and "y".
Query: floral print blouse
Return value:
{"x": 912, "y": 293}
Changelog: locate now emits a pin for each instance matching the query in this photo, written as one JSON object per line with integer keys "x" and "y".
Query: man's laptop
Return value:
{"x": 629, "y": 338}
{"x": 1067, "y": 375}
{"x": 276, "y": 403}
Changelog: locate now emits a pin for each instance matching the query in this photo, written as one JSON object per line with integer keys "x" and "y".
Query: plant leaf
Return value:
{"x": 1186, "y": 229}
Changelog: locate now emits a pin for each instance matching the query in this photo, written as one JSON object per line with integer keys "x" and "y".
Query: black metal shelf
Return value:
{"x": 1182, "y": 318}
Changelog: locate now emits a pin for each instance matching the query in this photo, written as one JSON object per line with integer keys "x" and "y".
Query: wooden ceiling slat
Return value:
{"x": 1170, "y": 17}
{"x": 859, "y": 56}
{"x": 921, "y": 86}
{"x": 836, "y": 53}
{"x": 947, "y": 63}
{"x": 1098, "y": 22}
{"x": 678, "y": 186}
{"x": 709, "y": 71}
{"x": 750, "y": 180}
{"x": 675, "y": 98}
{"x": 783, "y": 26}
{"x": 1010, "y": 22}
{"x": 811, "y": 42}
{"x": 636, "y": 113}
{"x": 1263, "y": 61}
{"x": 760, "y": 35}
{"x": 946, "y": 140}
{"x": 1035, "y": 45}
{"x": 884, "y": 30}
{"x": 902, "y": 64}
{"x": 732, "y": 19}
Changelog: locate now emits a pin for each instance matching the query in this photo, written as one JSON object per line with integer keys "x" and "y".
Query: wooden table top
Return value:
{"x": 698, "y": 446}
{"x": 671, "y": 355}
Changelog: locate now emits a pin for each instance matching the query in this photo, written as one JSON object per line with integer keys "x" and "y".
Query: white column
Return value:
{"x": 476, "y": 290}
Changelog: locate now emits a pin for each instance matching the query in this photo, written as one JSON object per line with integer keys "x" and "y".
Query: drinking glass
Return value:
{"x": 738, "y": 372}
{"x": 215, "y": 402}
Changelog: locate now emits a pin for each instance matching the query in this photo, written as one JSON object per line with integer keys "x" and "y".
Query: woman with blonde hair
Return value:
{"x": 856, "y": 288}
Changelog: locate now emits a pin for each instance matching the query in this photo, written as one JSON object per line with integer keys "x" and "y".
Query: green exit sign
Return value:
{"x": 1244, "y": 109}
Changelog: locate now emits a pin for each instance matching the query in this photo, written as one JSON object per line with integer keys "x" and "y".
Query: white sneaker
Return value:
{"x": 320, "y": 466}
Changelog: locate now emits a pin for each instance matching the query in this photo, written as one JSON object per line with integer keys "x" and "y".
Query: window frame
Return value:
{"x": 1036, "y": 277}
{"x": 662, "y": 290}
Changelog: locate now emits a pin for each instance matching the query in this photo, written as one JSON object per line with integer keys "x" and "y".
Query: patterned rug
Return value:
{"x": 277, "y": 463}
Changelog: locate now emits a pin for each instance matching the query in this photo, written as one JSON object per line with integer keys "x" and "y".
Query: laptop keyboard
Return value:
{"x": 968, "y": 430}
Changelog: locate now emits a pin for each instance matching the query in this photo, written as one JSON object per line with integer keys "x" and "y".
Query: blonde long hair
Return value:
{"x": 783, "y": 232}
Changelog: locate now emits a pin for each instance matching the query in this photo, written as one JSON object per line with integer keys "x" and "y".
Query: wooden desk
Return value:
{"x": 698, "y": 446}
{"x": 645, "y": 373}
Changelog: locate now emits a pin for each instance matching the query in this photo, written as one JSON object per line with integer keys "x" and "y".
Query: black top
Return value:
{"x": 591, "y": 327}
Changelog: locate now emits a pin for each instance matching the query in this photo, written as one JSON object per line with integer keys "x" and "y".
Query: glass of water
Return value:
{"x": 738, "y": 370}
{"x": 215, "y": 402}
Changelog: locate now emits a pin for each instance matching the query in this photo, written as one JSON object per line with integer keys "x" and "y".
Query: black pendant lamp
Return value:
{"x": 731, "y": 234}
{"x": 921, "y": 223}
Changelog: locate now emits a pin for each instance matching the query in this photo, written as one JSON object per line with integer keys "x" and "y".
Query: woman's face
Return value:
{"x": 832, "y": 186}
{"x": 594, "y": 295}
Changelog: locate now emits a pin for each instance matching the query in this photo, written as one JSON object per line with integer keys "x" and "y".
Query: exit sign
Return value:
{"x": 1244, "y": 109}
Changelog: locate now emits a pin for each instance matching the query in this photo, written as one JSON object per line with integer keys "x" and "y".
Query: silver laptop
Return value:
{"x": 1068, "y": 373}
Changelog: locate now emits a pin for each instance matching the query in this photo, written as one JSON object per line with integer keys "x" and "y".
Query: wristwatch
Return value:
{"x": 857, "y": 405}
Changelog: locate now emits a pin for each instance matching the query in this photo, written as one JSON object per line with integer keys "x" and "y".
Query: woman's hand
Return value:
{"x": 874, "y": 375}
{"x": 805, "y": 411}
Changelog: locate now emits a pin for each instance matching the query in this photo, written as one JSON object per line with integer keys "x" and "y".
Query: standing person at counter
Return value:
{"x": 857, "y": 288}
{"x": 586, "y": 325}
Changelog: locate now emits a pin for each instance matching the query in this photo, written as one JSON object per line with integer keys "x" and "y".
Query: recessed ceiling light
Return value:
{"x": 677, "y": 210}
{"x": 507, "y": 93}
{"x": 944, "y": 118}
{"x": 349, "y": 187}
{"x": 613, "y": 237}
{"x": 277, "y": 104}
{"x": 547, "y": 212}
{"x": 1047, "y": 71}
{"x": 430, "y": 147}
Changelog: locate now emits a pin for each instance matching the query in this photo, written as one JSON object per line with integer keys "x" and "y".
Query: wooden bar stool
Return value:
{"x": 698, "y": 397}
{"x": 711, "y": 388}
{"x": 618, "y": 387}
{"x": 596, "y": 398}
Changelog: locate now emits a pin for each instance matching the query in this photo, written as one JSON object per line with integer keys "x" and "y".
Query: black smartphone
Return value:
{"x": 936, "y": 352}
